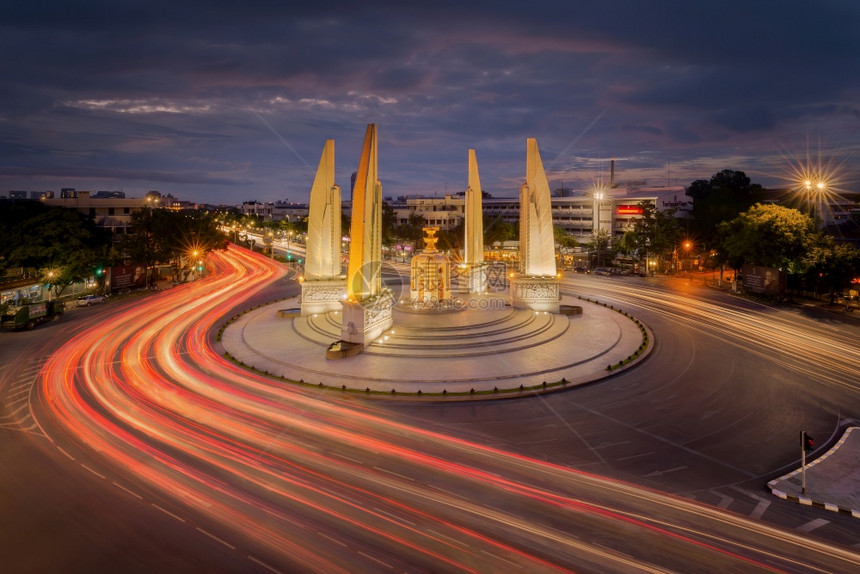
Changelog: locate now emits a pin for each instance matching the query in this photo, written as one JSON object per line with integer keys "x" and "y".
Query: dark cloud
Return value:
{"x": 212, "y": 97}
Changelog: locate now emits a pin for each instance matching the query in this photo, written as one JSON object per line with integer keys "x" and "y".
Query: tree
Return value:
{"x": 452, "y": 239}
{"x": 599, "y": 248}
{"x": 389, "y": 224}
{"x": 497, "y": 230}
{"x": 563, "y": 238}
{"x": 722, "y": 198}
{"x": 161, "y": 235}
{"x": 412, "y": 232}
{"x": 769, "y": 235}
{"x": 830, "y": 266}
{"x": 654, "y": 232}
{"x": 56, "y": 240}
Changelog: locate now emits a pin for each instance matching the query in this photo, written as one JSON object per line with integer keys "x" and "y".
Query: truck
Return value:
{"x": 28, "y": 315}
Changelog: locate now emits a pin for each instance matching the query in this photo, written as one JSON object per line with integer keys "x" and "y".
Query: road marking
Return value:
{"x": 393, "y": 516}
{"x": 440, "y": 535}
{"x": 664, "y": 440}
{"x": 760, "y": 508}
{"x": 93, "y": 471}
{"x": 264, "y": 565}
{"x": 394, "y": 473}
{"x": 725, "y": 501}
{"x": 347, "y": 458}
{"x": 377, "y": 560}
{"x": 446, "y": 491}
{"x": 25, "y": 405}
{"x": 812, "y": 525}
{"x": 215, "y": 538}
{"x": 167, "y": 512}
{"x": 662, "y": 472}
{"x": 64, "y": 452}
{"x": 136, "y": 495}
{"x": 571, "y": 429}
{"x": 335, "y": 540}
{"x": 502, "y": 511}
{"x": 500, "y": 558}
{"x": 608, "y": 444}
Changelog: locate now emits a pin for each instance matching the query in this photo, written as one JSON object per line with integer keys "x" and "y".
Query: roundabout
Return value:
{"x": 481, "y": 351}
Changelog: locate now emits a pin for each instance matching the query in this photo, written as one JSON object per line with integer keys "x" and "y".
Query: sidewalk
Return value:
{"x": 832, "y": 480}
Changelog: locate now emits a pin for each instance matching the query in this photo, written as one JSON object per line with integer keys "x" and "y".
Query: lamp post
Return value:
{"x": 598, "y": 197}
{"x": 815, "y": 198}
{"x": 687, "y": 246}
{"x": 50, "y": 287}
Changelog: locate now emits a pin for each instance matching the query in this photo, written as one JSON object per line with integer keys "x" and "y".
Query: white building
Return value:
{"x": 582, "y": 215}
{"x": 445, "y": 212}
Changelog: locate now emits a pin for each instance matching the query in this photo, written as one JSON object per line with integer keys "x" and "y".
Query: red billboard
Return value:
{"x": 628, "y": 210}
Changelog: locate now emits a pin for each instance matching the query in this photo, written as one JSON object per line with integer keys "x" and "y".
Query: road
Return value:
{"x": 712, "y": 415}
{"x": 260, "y": 476}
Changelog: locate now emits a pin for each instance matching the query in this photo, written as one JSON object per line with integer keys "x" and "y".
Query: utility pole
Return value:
{"x": 806, "y": 443}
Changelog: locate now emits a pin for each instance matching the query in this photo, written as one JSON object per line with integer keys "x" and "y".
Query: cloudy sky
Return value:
{"x": 220, "y": 101}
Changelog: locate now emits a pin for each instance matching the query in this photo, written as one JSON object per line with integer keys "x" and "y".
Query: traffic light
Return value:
{"x": 806, "y": 441}
{"x": 289, "y": 256}
{"x": 100, "y": 271}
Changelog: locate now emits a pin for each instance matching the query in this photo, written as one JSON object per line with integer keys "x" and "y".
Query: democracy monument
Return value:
{"x": 418, "y": 333}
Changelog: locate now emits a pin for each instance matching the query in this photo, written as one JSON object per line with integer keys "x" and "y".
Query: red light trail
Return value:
{"x": 319, "y": 483}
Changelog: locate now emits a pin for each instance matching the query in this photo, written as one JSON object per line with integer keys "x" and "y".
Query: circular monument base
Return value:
{"x": 475, "y": 350}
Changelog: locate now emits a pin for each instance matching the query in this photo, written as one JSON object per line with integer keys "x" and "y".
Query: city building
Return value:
{"x": 277, "y": 211}
{"x": 113, "y": 213}
{"x": 582, "y": 214}
{"x": 445, "y": 213}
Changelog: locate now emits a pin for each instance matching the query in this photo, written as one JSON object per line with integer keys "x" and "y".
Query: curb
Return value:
{"x": 805, "y": 501}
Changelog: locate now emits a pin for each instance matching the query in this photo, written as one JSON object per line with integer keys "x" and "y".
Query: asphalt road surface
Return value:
{"x": 141, "y": 449}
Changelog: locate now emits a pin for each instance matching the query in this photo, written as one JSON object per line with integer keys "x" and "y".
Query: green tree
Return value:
{"x": 162, "y": 236}
{"x": 452, "y": 239}
{"x": 389, "y": 224}
{"x": 412, "y": 232}
{"x": 654, "y": 233}
{"x": 722, "y": 198}
{"x": 830, "y": 266}
{"x": 57, "y": 240}
{"x": 497, "y": 230}
{"x": 599, "y": 248}
{"x": 563, "y": 238}
{"x": 769, "y": 235}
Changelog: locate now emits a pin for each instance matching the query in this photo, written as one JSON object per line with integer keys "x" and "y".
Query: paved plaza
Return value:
{"x": 481, "y": 347}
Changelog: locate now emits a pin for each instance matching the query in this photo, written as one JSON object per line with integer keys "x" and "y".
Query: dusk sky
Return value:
{"x": 222, "y": 102}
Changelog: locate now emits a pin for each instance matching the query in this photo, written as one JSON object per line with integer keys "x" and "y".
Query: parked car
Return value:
{"x": 88, "y": 300}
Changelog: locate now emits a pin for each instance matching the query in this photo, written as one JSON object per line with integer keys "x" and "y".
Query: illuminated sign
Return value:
{"x": 628, "y": 210}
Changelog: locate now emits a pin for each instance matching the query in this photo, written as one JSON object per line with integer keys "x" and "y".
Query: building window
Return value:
{"x": 110, "y": 211}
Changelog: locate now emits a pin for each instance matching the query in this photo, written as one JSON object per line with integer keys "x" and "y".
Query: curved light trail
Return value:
{"x": 824, "y": 353}
{"x": 307, "y": 481}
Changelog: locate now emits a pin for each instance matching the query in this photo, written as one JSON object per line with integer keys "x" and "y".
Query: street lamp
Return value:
{"x": 598, "y": 197}
{"x": 815, "y": 188}
{"x": 687, "y": 246}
